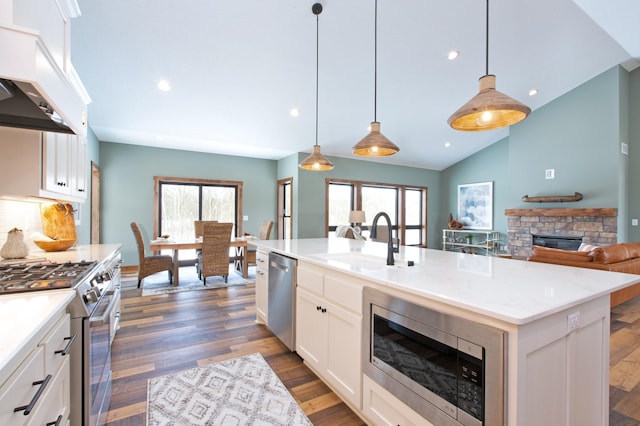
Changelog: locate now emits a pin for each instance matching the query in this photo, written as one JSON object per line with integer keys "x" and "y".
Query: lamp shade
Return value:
{"x": 489, "y": 109}
{"x": 375, "y": 144}
{"x": 316, "y": 161}
{"x": 356, "y": 216}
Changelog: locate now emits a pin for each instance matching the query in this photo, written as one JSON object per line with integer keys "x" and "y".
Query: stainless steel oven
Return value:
{"x": 95, "y": 316}
{"x": 448, "y": 369}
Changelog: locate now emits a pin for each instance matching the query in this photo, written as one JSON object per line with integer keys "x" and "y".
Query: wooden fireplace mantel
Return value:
{"x": 609, "y": 212}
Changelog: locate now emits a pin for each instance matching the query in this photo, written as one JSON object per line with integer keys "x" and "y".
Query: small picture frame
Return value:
{"x": 475, "y": 205}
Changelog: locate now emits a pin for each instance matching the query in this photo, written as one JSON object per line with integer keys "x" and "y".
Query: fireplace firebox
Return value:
{"x": 557, "y": 241}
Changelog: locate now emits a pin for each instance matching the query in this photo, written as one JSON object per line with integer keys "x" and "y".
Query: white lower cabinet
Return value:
{"x": 38, "y": 391}
{"x": 384, "y": 409}
{"x": 262, "y": 286}
{"x": 329, "y": 334}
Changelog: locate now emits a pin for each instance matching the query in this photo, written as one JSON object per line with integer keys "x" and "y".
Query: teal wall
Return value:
{"x": 488, "y": 165}
{"x": 633, "y": 118}
{"x": 578, "y": 135}
{"x": 127, "y": 187}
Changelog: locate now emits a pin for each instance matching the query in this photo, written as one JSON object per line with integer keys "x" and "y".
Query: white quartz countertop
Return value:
{"x": 23, "y": 315}
{"x": 510, "y": 290}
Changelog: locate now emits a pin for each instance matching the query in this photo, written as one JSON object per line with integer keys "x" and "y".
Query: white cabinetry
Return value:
{"x": 45, "y": 165}
{"x": 38, "y": 391}
{"x": 64, "y": 164}
{"x": 262, "y": 286}
{"x": 329, "y": 328}
{"x": 384, "y": 409}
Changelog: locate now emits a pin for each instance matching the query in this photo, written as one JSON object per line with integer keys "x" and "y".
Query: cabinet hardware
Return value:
{"x": 318, "y": 308}
{"x": 66, "y": 349}
{"x": 56, "y": 423}
{"x": 324, "y": 310}
{"x": 28, "y": 408}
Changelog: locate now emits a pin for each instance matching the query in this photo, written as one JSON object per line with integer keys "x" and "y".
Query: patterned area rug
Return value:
{"x": 189, "y": 281}
{"x": 238, "y": 391}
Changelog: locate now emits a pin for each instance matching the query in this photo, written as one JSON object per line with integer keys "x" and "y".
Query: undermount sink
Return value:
{"x": 360, "y": 260}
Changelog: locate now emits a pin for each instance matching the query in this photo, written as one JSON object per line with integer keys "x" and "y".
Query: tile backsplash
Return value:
{"x": 23, "y": 215}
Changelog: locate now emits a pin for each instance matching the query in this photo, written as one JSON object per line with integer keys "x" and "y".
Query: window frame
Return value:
{"x": 159, "y": 180}
{"x": 401, "y": 226}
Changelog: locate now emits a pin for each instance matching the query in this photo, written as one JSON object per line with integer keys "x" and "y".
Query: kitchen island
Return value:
{"x": 555, "y": 319}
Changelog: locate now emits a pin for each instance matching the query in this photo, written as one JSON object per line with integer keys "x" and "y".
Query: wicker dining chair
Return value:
{"x": 149, "y": 265}
{"x": 198, "y": 227}
{"x": 213, "y": 260}
{"x": 263, "y": 234}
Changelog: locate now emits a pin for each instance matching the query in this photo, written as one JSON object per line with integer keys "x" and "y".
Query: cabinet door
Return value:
{"x": 262, "y": 295}
{"x": 78, "y": 166}
{"x": 344, "y": 342}
{"x": 62, "y": 163}
{"x": 311, "y": 329}
{"x": 49, "y": 173}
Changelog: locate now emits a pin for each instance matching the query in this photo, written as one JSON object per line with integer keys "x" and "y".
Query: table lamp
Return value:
{"x": 356, "y": 218}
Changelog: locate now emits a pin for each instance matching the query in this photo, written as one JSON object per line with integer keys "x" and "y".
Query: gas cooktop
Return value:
{"x": 18, "y": 278}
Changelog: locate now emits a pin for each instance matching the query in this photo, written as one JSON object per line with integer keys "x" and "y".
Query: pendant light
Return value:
{"x": 489, "y": 109}
{"x": 375, "y": 144}
{"x": 316, "y": 161}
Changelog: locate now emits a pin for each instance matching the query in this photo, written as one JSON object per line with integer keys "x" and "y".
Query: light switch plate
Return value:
{"x": 550, "y": 174}
{"x": 245, "y": 218}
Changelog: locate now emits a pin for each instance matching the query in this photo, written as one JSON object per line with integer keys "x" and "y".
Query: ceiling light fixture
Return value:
{"x": 489, "y": 109}
{"x": 533, "y": 92}
{"x": 375, "y": 144}
{"x": 316, "y": 161}
{"x": 452, "y": 55}
{"x": 164, "y": 85}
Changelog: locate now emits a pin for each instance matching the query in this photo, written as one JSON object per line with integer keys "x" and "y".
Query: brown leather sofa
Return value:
{"x": 623, "y": 257}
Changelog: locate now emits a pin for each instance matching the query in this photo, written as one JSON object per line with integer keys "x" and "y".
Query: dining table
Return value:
{"x": 238, "y": 243}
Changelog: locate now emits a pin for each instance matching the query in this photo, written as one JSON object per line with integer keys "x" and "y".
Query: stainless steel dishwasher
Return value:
{"x": 282, "y": 302}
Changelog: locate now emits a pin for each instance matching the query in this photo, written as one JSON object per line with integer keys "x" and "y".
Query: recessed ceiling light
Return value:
{"x": 164, "y": 85}
{"x": 294, "y": 112}
{"x": 447, "y": 144}
{"x": 533, "y": 92}
{"x": 453, "y": 54}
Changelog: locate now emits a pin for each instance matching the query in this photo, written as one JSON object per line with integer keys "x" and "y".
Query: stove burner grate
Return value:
{"x": 23, "y": 277}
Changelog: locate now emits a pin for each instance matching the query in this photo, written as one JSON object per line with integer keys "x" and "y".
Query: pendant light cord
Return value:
{"x": 486, "y": 71}
{"x": 317, "y": 69}
{"x": 375, "y": 62}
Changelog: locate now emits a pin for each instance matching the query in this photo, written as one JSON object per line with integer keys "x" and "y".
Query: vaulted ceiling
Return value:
{"x": 237, "y": 68}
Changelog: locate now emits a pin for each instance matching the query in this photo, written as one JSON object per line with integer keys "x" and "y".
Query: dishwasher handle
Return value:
{"x": 283, "y": 268}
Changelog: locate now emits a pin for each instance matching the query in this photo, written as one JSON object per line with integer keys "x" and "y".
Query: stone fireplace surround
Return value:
{"x": 597, "y": 226}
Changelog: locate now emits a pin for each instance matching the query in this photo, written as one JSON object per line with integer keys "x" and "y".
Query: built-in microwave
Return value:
{"x": 448, "y": 369}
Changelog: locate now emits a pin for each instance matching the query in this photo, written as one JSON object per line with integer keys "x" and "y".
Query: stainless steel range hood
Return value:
{"x": 22, "y": 106}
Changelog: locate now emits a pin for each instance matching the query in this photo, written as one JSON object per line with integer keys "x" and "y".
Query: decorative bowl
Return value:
{"x": 55, "y": 245}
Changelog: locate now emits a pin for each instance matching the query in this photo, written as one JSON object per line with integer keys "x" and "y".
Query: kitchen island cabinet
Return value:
{"x": 329, "y": 327}
{"x": 555, "y": 319}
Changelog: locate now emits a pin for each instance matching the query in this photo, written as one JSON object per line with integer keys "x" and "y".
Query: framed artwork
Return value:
{"x": 475, "y": 205}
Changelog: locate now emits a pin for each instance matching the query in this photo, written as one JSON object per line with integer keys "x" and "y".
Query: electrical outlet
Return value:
{"x": 634, "y": 222}
{"x": 573, "y": 321}
{"x": 550, "y": 174}
{"x": 245, "y": 218}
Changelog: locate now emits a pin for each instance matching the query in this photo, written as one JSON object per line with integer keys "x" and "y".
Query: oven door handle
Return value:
{"x": 101, "y": 320}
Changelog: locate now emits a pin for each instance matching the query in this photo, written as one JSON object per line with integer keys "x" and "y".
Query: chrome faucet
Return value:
{"x": 374, "y": 233}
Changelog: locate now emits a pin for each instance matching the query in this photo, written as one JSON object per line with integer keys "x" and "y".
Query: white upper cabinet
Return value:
{"x": 44, "y": 165}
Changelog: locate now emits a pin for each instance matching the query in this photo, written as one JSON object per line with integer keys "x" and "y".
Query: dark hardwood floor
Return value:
{"x": 168, "y": 333}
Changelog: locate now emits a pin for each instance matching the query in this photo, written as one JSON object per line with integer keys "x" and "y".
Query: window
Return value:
{"x": 179, "y": 202}
{"x": 285, "y": 209}
{"x": 406, "y": 207}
